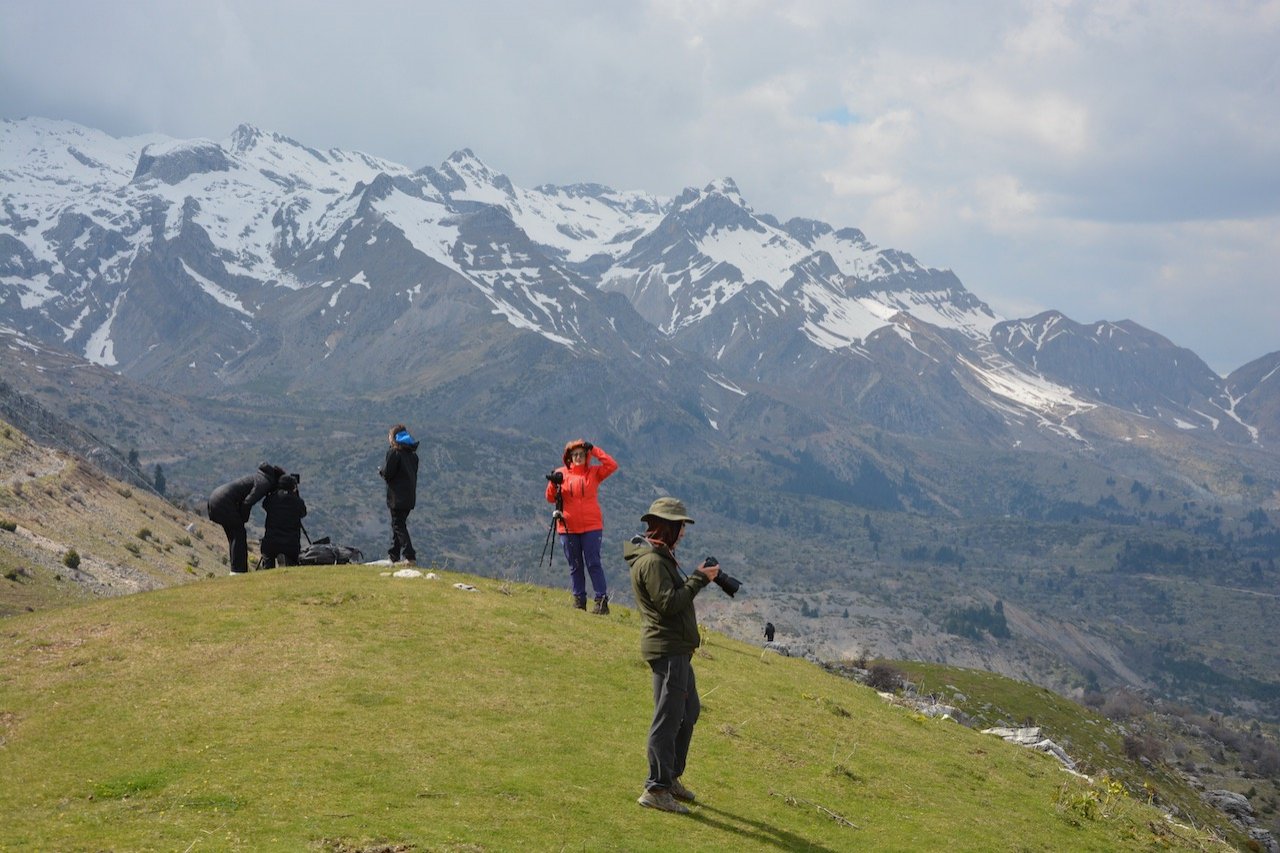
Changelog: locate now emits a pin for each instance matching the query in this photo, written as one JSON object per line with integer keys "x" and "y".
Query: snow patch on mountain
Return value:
{"x": 844, "y": 322}
{"x": 857, "y": 259}
{"x": 221, "y": 294}
{"x": 101, "y": 349}
{"x": 1051, "y": 403}
{"x": 580, "y": 227}
{"x": 940, "y": 308}
{"x": 769, "y": 259}
{"x": 424, "y": 226}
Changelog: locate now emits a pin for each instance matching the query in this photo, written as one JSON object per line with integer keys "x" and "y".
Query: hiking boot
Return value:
{"x": 680, "y": 792}
{"x": 602, "y": 606}
{"x": 661, "y": 800}
{"x": 580, "y": 601}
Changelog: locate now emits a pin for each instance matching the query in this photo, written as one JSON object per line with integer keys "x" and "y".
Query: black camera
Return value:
{"x": 556, "y": 477}
{"x": 726, "y": 583}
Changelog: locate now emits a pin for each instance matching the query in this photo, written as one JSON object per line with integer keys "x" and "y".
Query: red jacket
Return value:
{"x": 581, "y": 510}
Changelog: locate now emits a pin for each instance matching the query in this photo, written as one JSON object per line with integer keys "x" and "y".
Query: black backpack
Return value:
{"x": 322, "y": 552}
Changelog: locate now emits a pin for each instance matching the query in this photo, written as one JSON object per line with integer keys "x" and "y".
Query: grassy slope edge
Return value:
{"x": 333, "y": 708}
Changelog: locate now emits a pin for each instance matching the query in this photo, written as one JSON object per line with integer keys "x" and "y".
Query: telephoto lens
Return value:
{"x": 726, "y": 583}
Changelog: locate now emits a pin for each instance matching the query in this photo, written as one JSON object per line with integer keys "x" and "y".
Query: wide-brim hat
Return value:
{"x": 576, "y": 444}
{"x": 668, "y": 509}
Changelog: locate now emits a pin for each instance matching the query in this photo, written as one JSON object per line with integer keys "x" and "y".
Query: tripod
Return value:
{"x": 556, "y": 518}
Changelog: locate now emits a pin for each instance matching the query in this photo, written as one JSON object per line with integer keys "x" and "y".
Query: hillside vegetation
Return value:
{"x": 1148, "y": 750}
{"x": 337, "y": 708}
{"x": 68, "y": 533}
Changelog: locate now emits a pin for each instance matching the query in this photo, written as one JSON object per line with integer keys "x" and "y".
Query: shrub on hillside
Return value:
{"x": 71, "y": 560}
{"x": 1137, "y": 746}
{"x": 971, "y": 622}
{"x": 885, "y": 678}
{"x": 8, "y": 526}
{"x": 1123, "y": 705}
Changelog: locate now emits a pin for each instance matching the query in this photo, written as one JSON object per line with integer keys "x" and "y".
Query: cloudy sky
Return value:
{"x": 1112, "y": 160}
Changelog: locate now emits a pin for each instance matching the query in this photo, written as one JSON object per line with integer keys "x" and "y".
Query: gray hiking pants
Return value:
{"x": 675, "y": 711}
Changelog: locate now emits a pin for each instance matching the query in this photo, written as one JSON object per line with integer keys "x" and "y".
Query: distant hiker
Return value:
{"x": 400, "y": 470}
{"x": 669, "y": 634}
{"x": 582, "y": 526}
{"x": 230, "y": 505}
{"x": 768, "y": 632}
{"x": 281, "y": 541}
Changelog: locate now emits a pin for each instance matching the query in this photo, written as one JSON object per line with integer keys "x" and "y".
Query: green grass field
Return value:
{"x": 332, "y": 708}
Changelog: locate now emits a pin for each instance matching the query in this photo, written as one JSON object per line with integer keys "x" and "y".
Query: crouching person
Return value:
{"x": 669, "y": 635}
{"x": 231, "y": 504}
{"x": 282, "y": 539}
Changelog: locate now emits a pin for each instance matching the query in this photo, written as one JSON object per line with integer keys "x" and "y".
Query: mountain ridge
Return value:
{"x": 234, "y": 223}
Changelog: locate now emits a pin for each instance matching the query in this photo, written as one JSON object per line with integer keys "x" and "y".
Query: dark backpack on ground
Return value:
{"x": 322, "y": 552}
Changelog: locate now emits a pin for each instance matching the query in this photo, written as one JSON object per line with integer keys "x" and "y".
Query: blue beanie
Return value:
{"x": 403, "y": 437}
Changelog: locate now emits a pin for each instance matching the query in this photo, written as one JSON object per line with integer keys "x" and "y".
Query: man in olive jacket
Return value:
{"x": 664, "y": 596}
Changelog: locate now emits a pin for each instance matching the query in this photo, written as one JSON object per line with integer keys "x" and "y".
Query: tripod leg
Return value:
{"x": 547, "y": 545}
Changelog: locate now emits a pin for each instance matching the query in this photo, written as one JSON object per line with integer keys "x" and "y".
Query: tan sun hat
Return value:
{"x": 669, "y": 509}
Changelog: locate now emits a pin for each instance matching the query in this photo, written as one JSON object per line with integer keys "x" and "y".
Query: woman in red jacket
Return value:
{"x": 581, "y": 525}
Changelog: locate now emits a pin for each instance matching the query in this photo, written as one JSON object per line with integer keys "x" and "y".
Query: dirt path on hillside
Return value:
{"x": 100, "y": 577}
{"x": 1255, "y": 592}
{"x": 32, "y": 467}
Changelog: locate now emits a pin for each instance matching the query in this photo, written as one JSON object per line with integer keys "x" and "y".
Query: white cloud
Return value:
{"x": 1001, "y": 204}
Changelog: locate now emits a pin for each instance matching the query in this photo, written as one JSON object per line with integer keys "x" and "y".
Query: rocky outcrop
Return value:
{"x": 1032, "y": 738}
{"x": 173, "y": 164}
{"x": 1240, "y": 810}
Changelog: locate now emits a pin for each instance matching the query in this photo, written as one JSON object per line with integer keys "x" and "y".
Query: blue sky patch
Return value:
{"x": 840, "y": 115}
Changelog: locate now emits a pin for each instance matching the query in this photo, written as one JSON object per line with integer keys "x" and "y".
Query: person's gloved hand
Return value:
{"x": 588, "y": 446}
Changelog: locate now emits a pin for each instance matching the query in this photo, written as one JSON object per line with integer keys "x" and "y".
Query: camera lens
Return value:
{"x": 728, "y": 584}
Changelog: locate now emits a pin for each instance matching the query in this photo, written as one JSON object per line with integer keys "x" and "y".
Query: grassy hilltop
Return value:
{"x": 333, "y": 708}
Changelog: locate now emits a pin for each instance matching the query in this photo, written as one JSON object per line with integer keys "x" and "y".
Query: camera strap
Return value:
{"x": 662, "y": 548}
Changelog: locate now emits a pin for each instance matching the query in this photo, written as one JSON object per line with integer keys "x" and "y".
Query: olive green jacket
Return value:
{"x": 665, "y": 598}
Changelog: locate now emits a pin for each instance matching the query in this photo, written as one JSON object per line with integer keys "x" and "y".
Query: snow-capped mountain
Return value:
{"x": 710, "y": 247}
{"x": 257, "y": 262}
{"x": 1253, "y": 392}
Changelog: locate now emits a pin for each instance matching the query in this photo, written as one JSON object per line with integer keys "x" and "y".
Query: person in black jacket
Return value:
{"x": 230, "y": 504}
{"x": 400, "y": 470}
{"x": 281, "y": 541}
